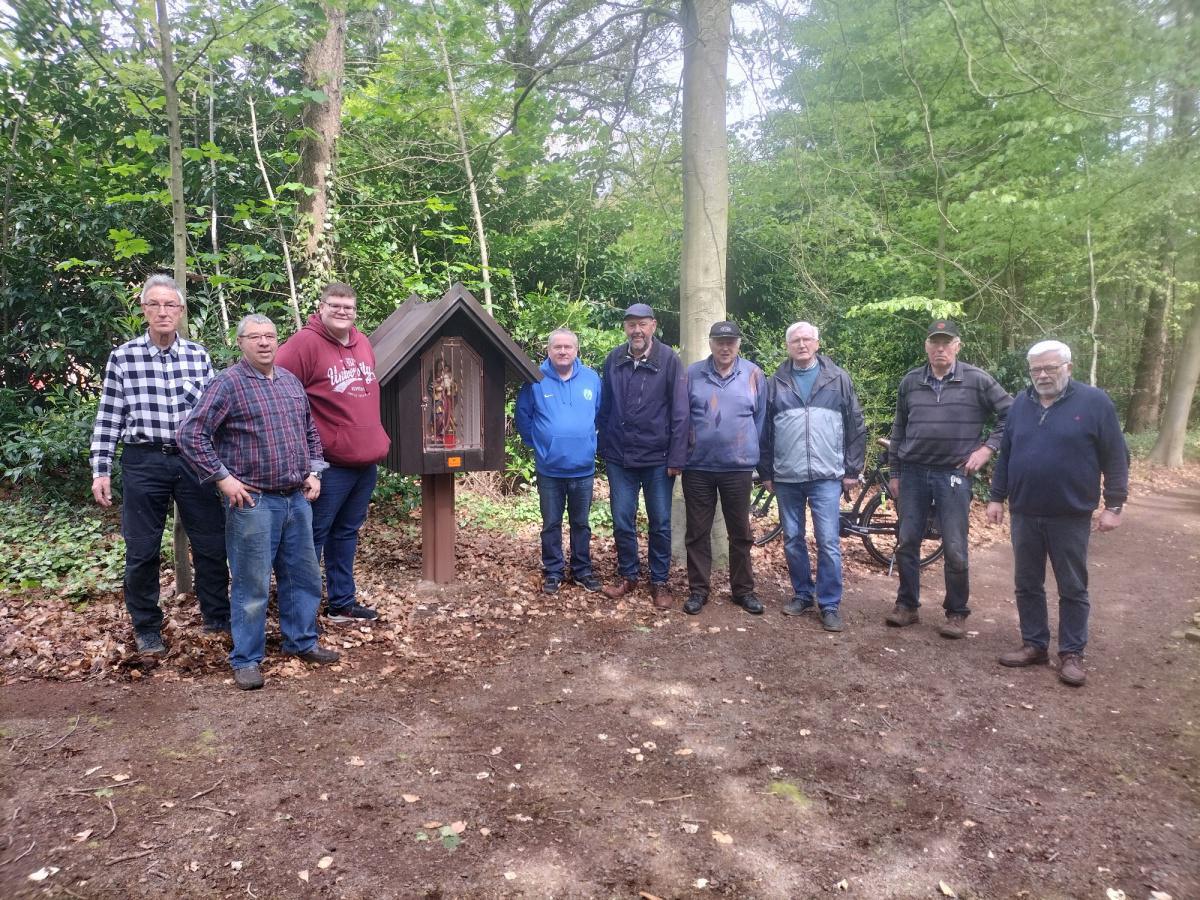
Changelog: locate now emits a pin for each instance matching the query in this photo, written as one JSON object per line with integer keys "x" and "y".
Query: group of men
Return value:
{"x": 718, "y": 420}
{"x": 271, "y": 465}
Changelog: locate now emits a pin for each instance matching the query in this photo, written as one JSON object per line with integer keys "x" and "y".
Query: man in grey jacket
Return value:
{"x": 814, "y": 449}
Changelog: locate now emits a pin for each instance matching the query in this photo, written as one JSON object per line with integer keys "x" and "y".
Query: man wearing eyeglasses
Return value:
{"x": 1062, "y": 436}
{"x": 150, "y": 384}
{"x": 335, "y": 363}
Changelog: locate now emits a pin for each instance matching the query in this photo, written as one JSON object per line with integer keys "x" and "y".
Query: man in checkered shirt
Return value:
{"x": 150, "y": 384}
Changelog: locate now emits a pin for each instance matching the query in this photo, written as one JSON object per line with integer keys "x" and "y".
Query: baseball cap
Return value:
{"x": 943, "y": 326}
{"x": 724, "y": 330}
{"x": 639, "y": 311}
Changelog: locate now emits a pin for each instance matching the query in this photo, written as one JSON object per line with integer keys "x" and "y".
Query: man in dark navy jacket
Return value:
{"x": 642, "y": 430}
{"x": 1061, "y": 437}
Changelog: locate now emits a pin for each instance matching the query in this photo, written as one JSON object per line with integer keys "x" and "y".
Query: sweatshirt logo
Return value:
{"x": 587, "y": 394}
{"x": 340, "y": 380}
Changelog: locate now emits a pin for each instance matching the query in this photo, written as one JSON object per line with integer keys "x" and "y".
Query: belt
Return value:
{"x": 158, "y": 447}
{"x": 280, "y": 492}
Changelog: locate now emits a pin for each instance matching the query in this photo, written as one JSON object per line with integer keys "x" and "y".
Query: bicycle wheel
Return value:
{"x": 883, "y": 527}
{"x": 764, "y": 516}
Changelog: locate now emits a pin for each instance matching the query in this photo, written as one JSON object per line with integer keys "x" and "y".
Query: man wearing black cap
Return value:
{"x": 642, "y": 435}
{"x": 936, "y": 450}
{"x": 727, "y": 396}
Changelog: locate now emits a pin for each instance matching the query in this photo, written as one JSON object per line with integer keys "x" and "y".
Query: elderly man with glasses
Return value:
{"x": 150, "y": 384}
{"x": 1062, "y": 437}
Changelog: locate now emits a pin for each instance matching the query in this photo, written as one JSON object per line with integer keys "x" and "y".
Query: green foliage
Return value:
{"x": 57, "y": 545}
{"x": 46, "y": 440}
{"x": 396, "y": 496}
{"x": 1140, "y": 445}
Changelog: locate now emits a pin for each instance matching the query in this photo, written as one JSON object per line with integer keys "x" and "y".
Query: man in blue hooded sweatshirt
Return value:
{"x": 557, "y": 418}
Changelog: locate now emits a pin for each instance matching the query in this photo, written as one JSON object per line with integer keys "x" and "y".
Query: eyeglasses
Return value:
{"x": 342, "y": 308}
{"x": 1045, "y": 370}
{"x": 162, "y": 307}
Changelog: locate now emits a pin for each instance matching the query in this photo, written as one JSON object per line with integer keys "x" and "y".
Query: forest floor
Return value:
{"x": 490, "y": 741}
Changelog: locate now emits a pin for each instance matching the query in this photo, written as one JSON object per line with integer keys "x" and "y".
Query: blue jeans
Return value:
{"x": 1064, "y": 539}
{"x": 337, "y": 514}
{"x": 922, "y": 490}
{"x": 656, "y": 485}
{"x": 823, "y": 498}
{"x": 275, "y": 533}
{"x": 575, "y": 494}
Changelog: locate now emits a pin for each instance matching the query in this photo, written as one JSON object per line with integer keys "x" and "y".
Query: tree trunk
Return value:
{"x": 166, "y": 64}
{"x": 324, "y": 70}
{"x": 1146, "y": 400}
{"x": 1168, "y": 449}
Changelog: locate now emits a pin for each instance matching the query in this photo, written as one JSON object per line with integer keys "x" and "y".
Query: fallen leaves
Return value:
{"x": 324, "y": 862}
{"x": 410, "y": 798}
{"x": 946, "y": 890}
{"x": 355, "y": 761}
{"x": 43, "y": 873}
{"x": 722, "y": 838}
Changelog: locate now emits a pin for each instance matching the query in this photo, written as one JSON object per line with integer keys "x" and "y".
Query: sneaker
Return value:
{"x": 248, "y": 678}
{"x": 551, "y": 584}
{"x": 589, "y": 583}
{"x": 693, "y": 604}
{"x": 318, "y": 655}
{"x": 954, "y": 627}
{"x": 1028, "y": 655}
{"x": 347, "y": 615}
{"x": 830, "y": 620}
{"x": 1070, "y": 669}
{"x": 749, "y": 603}
{"x": 902, "y": 616}
{"x": 150, "y": 645}
{"x": 799, "y": 606}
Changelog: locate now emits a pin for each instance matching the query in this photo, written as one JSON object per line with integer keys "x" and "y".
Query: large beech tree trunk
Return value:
{"x": 1146, "y": 400}
{"x": 1168, "y": 449}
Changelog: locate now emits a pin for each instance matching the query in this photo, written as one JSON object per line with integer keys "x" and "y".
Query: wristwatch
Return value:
{"x": 316, "y": 475}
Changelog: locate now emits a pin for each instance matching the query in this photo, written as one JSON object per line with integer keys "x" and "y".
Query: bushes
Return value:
{"x": 44, "y": 441}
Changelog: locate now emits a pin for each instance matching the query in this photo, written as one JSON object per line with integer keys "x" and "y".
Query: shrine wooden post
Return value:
{"x": 438, "y": 528}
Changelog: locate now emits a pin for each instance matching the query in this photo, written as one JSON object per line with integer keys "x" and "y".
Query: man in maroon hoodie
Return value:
{"x": 336, "y": 365}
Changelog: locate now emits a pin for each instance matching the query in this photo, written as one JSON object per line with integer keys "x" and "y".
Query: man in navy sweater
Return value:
{"x": 557, "y": 418}
{"x": 1061, "y": 437}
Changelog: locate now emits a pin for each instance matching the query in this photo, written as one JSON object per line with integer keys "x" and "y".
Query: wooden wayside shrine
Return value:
{"x": 442, "y": 367}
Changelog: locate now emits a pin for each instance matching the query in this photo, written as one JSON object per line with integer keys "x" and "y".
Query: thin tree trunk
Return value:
{"x": 166, "y": 62}
{"x": 283, "y": 242}
{"x": 1168, "y": 449}
{"x": 1146, "y": 400}
{"x": 467, "y": 167}
{"x": 212, "y": 171}
{"x": 1095, "y": 298}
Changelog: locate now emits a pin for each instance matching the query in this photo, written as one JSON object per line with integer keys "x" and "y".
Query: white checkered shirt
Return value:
{"x": 147, "y": 392}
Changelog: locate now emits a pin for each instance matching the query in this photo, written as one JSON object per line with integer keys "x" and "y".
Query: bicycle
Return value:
{"x": 872, "y": 517}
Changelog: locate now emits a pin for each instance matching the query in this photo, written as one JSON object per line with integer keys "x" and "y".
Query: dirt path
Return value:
{"x": 607, "y": 755}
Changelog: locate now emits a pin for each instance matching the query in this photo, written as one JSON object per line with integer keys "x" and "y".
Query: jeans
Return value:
{"x": 700, "y": 490}
{"x": 656, "y": 486}
{"x": 823, "y": 497}
{"x": 275, "y": 533}
{"x": 1064, "y": 539}
{"x": 575, "y": 494}
{"x": 151, "y": 480}
{"x": 949, "y": 491}
{"x": 337, "y": 514}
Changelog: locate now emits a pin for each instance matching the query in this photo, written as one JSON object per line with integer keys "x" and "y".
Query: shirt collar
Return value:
{"x": 155, "y": 350}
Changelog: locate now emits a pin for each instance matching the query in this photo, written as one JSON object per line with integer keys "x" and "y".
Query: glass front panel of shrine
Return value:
{"x": 452, "y": 400}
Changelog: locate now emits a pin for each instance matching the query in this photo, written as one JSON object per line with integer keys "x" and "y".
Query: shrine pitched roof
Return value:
{"x": 406, "y": 332}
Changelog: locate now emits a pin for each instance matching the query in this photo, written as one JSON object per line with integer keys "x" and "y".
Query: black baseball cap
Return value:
{"x": 724, "y": 330}
{"x": 639, "y": 311}
{"x": 943, "y": 326}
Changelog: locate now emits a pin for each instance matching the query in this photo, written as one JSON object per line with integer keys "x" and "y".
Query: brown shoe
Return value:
{"x": 620, "y": 589}
{"x": 1070, "y": 669}
{"x": 1028, "y": 655}
{"x": 902, "y": 615}
{"x": 661, "y": 595}
{"x": 954, "y": 627}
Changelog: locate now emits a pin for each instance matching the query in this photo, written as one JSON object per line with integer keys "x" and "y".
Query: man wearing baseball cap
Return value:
{"x": 642, "y": 430}
{"x": 727, "y": 396}
{"x": 938, "y": 444}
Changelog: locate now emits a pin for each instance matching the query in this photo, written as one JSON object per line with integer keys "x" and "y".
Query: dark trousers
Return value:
{"x": 1064, "y": 540}
{"x": 949, "y": 492}
{"x": 151, "y": 480}
{"x": 337, "y": 515}
{"x": 700, "y": 492}
{"x": 575, "y": 494}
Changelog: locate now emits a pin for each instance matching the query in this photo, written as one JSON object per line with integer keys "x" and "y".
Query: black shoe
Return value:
{"x": 750, "y": 604}
{"x": 551, "y": 584}
{"x": 348, "y": 615}
{"x": 589, "y": 583}
{"x": 150, "y": 645}
{"x": 217, "y": 628}
{"x": 318, "y": 655}
{"x": 830, "y": 620}
{"x": 248, "y": 678}
{"x": 693, "y": 604}
{"x": 799, "y": 606}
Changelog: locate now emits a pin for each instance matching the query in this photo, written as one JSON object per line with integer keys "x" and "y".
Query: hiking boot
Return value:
{"x": 589, "y": 583}
{"x": 693, "y": 604}
{"x": 661, "y": 595}
{"x": 830, "y": 620}
{"x": 954, "y": 627}
{"x": 1028, "y": 655}
{"x": 799, "y": 606}
{"x": 318, "y": 655}
{"x": 248, "y": 678}
{"x": 551, "y": 584}
{"x": 150, "y": 645}
{"x": 902, "y": 616}
{"x": 749, "y": 603}
{"x": 349, "y": 615}
{"x": 1070, "y": 669}
{"x": 620, "y": 589}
